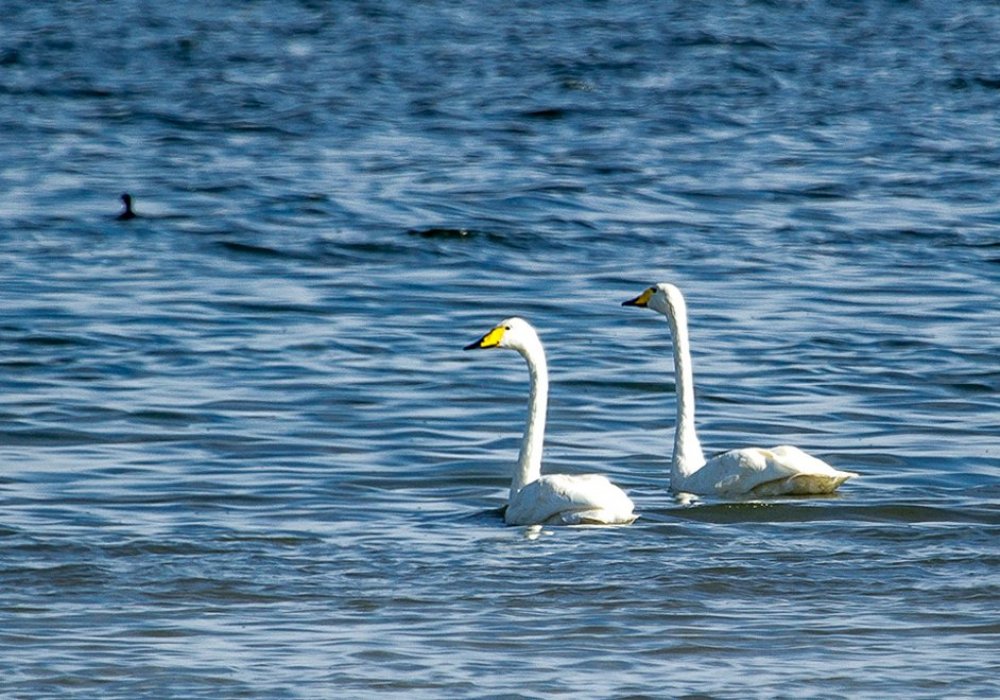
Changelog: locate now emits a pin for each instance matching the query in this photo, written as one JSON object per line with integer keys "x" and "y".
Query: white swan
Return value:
{"x": 553, "y": 499}
{"x": 750, "y": 471}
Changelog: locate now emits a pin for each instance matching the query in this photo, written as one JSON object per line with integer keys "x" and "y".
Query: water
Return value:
{"x": 243, "y": 454}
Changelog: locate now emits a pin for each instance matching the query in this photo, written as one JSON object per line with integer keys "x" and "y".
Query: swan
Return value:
{"x": 553, "y": 499}
{"x": 748, "y": 471}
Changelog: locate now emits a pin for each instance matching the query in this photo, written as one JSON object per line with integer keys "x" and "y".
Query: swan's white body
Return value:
{"x": 749, "y": 471}
{"x": 554, "y": 499}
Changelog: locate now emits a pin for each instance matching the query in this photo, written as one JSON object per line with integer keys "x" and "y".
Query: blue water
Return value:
{"x": 243, "y": 455}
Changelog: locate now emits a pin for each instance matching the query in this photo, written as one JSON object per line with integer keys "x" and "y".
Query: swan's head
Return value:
{"x": 514, "y": 333}
{"x": 663, "y": 297}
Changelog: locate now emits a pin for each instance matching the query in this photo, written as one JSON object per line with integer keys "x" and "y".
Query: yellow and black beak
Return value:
{"x": 641, "y": 300}
{"x": 490, "y": 340}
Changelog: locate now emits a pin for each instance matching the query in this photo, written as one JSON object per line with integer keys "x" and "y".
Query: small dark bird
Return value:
{"x": 127, "y": 213}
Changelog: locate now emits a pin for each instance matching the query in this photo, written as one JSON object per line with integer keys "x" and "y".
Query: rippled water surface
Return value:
{"x": 243, "y": 455}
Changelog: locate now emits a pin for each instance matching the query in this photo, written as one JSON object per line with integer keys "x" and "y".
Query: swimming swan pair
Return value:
{"x": 561, "y": 499}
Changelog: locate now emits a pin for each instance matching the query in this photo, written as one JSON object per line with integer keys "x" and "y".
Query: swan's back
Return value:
{"x": 754, "y": 471}
{"x": 564, "y": 499}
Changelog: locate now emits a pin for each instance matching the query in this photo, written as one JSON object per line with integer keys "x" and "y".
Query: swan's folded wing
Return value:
{"x": 570, "y": 500}
{"x": 754, "y": 471}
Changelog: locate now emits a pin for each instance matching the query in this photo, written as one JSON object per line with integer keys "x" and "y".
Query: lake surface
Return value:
{"x": 243, "y": 455}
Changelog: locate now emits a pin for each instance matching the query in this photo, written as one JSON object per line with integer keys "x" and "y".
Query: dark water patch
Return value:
{"x": 509, "y": 239}
{"x": 276, "y": 541}
{"x": 965, "y": 82}
{"x": 832, "y": 508}
{"x": 53, "y": 341}
{"x": 51, "y": 437}
{"x": 165, "y": 417}
{"x": 272, "y": 309}
{"x": 546, "y": 113}
{"x": 724, "y": 40}
{"x": 253, "y": 250}
{"x": 10, "y": 57}
{"x": 444, "y": 233}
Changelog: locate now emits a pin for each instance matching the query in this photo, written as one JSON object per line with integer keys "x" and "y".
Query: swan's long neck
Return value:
{"x": 529, "y": 461}
{"x": 688, "y": 457}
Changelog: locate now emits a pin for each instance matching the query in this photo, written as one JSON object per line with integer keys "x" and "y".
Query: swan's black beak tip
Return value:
{"x": 490, "y": 340}
{"x": 642, "y": 301}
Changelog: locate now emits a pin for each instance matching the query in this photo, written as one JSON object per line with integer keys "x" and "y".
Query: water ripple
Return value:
{"x": 244, "y": 454}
